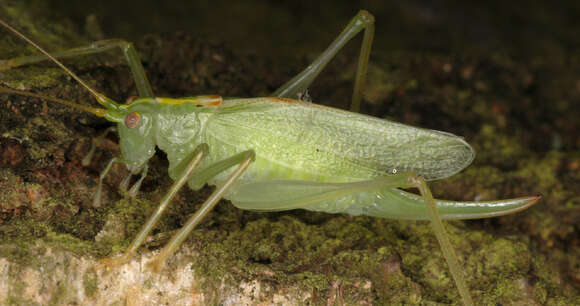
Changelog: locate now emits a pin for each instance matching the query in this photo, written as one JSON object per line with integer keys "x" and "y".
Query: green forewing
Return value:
{"x": 318, "y": 143}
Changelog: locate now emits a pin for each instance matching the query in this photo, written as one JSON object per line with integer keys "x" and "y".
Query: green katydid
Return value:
{"x": 276, "y": 153}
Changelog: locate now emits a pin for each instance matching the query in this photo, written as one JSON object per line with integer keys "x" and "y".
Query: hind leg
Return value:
{"x": 298, "y": 84}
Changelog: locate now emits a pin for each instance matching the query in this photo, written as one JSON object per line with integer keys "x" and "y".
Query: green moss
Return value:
{"x": 18, "y": 239}
{"x": 497, "y": 148}
{"x": 90, "y": 283}
{"x": 71, "y": 243}
{"x": 13, "y": 299}
{"x": 545, "y": 174}
{"x": 59, "y": 296}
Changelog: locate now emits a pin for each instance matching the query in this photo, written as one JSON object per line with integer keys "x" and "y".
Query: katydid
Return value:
{"x": 277, "y": 153}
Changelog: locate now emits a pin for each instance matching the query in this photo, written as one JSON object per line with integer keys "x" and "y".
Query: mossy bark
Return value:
{"x": 516, "y": 104}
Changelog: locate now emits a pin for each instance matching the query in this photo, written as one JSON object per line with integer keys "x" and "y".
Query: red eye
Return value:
{"x": 132, "y": 120}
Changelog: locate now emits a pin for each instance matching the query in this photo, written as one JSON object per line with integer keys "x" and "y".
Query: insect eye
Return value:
{"x": 132, "y": 120}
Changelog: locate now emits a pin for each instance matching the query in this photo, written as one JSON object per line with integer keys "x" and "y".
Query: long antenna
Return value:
{"x": 102, "y": 99}
{"x": 93, "y": 110}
